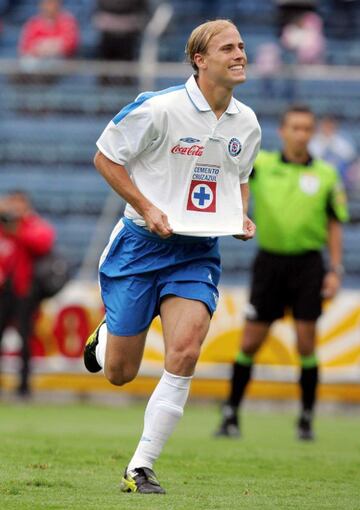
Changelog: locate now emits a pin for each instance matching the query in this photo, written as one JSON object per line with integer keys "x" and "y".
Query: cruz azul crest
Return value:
{"x": 234, "y": 147}
{"x": 202, "y": 192}
{"x": 202, "y": 196}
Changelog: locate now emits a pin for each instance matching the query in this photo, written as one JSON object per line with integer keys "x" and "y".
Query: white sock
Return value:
{"x": 164, "y": 410}
{"x": 101, "y": 346}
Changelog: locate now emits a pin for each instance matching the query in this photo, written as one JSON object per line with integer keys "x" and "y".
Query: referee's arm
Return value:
{"x": 335, "y": 243}
{"x": 332, "y": 279}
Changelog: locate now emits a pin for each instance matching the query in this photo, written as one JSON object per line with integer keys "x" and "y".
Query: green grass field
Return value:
{"x": 72, "y": 456}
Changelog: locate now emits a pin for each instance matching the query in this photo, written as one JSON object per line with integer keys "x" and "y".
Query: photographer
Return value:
{"x": 24, "y": 237}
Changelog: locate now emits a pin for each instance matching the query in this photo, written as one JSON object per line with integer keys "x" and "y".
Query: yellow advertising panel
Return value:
{"x": 64, "y": 322}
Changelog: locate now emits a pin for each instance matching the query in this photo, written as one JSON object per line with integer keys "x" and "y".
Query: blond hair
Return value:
{"x": 201, "y": 36}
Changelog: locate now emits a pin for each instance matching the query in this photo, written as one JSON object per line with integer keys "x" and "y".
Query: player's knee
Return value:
{"x": 119, "y": 376}
{"x": 188, "y": 356}
{"x": 114, "y": 377}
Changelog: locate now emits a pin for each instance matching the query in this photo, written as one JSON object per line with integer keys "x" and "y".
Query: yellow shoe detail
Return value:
{"x": 94, "y": 334}
{"x": 90, "y": 360}
{"x": 128, "y": 484}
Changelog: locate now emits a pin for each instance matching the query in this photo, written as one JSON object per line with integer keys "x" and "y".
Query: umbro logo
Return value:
{"x": 189, "y": 140}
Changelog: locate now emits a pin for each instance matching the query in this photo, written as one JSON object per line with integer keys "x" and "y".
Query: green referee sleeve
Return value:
{"x": 338, "y": 201}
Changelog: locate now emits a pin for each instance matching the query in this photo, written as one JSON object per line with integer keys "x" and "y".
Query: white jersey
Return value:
{"x": 183, "y": 159}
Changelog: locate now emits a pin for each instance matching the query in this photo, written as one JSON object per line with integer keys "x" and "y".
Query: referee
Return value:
{"x": 299, "y": 205}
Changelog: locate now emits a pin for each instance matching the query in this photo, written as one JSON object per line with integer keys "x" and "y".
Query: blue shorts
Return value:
{"x": 139, "y": 268}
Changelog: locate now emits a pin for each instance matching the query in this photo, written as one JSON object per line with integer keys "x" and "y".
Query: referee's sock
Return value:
{"x": 309, "y": 377}
{"x": 241, "y": 375}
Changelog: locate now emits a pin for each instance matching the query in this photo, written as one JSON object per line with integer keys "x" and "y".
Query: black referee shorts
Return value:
{"x": 286, "y": 281}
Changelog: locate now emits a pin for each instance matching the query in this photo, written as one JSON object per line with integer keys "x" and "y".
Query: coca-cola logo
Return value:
{"x": 193, "y": 150}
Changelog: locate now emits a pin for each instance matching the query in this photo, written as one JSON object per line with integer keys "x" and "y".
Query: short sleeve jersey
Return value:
{"x": 293, "y": 203}
{"x": 183, "y": 159}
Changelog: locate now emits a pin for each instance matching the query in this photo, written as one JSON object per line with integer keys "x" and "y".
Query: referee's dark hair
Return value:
{"x": 296, "y": 108}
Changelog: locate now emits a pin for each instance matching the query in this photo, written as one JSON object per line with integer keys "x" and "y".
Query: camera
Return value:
{"x": 6, "y": 218}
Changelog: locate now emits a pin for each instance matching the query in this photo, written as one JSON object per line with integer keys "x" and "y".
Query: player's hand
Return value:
{"x": 157, "y": 222}
{"x": 249, "y": 228}
{"x": 331, "y": 285}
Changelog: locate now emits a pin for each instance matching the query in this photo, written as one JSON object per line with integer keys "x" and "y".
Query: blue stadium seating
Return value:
{"x": 48, "y": 132}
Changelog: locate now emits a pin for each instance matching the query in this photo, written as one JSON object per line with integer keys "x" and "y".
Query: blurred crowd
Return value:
{"x": 54, "y": 32}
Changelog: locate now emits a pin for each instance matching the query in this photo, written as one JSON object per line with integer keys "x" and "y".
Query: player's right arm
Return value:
{"x": 118, "y": 178}
{"x": 132, "y": 132}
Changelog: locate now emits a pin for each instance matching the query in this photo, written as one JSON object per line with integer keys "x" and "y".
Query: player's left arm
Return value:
{"x": 249, "y": 226}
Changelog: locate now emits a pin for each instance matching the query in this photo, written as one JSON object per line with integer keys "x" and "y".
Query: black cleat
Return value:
{"x": 229, "y": 426}
{"x": 90, "y": 360}
{"x": 142, "y": 480}
{"x": 304, "y": 427}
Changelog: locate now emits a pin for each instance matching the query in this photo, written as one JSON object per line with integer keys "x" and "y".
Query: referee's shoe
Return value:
{"x": 304, "y": 429}
{"x": 229, "y": 426}
{"x": 90, "y": 360}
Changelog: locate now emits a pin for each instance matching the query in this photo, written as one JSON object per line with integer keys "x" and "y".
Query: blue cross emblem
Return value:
{"x": 202, "y": 196}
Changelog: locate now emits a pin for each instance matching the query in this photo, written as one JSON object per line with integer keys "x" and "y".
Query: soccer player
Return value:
{"x": 299, "y": 207}
{"x": 181, "y": 159}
